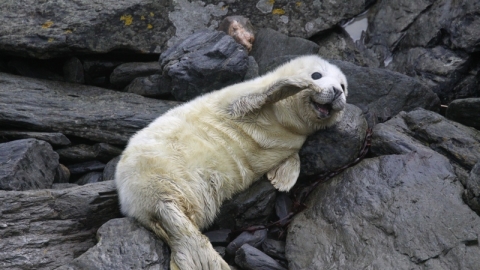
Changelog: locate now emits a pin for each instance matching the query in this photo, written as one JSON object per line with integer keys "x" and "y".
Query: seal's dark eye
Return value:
{"x": 316, "y": 75}
{"x": 343, "y": 87}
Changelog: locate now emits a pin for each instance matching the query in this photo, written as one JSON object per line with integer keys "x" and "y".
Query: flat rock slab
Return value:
{"x": 53, "y": 138}
{"x": 390, "y": 212}
{"x": 45, "y": 229}
{"x": 46, "y": 29}
{"x": 27, "y": 164}
{"x": 123, "y": 244}
{"x": 83, "y": 111}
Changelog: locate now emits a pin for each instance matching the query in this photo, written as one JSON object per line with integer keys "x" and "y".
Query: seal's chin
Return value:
{"x": 322, "y": 110}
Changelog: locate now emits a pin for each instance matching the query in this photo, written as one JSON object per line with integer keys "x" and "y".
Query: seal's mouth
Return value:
{"x": 322, "y": 110}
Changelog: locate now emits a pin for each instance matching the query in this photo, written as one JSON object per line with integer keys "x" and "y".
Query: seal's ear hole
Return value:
{"x": 316, "y": 75}
{"x": 343, "y": 87}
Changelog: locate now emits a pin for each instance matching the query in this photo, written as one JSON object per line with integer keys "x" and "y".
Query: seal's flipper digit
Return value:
{"x": 285, "y": 175}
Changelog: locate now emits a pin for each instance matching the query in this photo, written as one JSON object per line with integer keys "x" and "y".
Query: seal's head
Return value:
{"x": 323, "y": 103}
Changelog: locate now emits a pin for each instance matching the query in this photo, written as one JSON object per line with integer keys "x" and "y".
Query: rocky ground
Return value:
{"x": 77, "y": 79}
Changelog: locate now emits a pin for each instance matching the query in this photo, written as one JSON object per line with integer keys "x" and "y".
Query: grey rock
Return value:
{"x": 73, "y": 71}
{"x": 83, "y": 111}
{"x": 44, "y": 229}
{"x": 250, "y": 258}
{"x": 147, "y": 26}
{"x": 437, "y": 67}
{"x": 388, "y": 22}
{"x": 203, "y": 62}
{"x": 62, "y": 174}
{"x": 155, "y": 86}
{"x": 429, "y": 130}
{"x": 220, "y": 250}
{"x": 381, "y": 94}
{"x": 389, "y": 212}
{"x": 97, "y": 71}
{"x": 90, "y": 178}
{"x": 123, "y": 244}
{"x": 324, "y": 151}
{"x": 428, "y": 133}
{"x": 219, "y": 237}
{"x": 105, "y": 152}
{"x": 465, "y": 111}
{"x": 63, "y": 185}
{"x": 270, "y": 44}
{"x": 124, "y": 74}
{"x": 85, "y": 167}
{"x": 53, "y": 138}
{"x": 338, "y": 45}
{"x": 450, "y": 23}
{"x": 283, "y": 207}
{"x": 274, "y": 248}
{"x": 34, "y": 69}
{"x": 109, "y": 171}
{"x": 65, "y": 27}
{"x": 252, "y": 71}
{"x": 251, "y": 207}
{"x": 471, "y": 194}
{"x": 254, "y": 239}
{"x": 27, "y": 164}
{"x": 77, "y": 153}
{"x": 83, "y": 152}
{"x": 468, "y": 86}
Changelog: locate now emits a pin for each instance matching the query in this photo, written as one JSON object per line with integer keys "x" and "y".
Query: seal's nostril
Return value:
{"x": 337, "y": 92}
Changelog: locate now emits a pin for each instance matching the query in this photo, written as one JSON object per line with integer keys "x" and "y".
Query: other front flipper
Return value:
{"x": 279, "y": 90}
{"x": 285, "y": 175}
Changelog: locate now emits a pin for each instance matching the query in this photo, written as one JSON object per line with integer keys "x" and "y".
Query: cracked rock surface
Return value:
{"x": 388, "y": 212}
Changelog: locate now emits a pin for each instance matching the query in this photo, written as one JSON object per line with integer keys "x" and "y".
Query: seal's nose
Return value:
{"x": 337, "y": 93}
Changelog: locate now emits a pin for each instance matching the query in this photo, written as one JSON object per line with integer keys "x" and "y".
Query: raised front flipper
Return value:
{"x": 279, "y": 90}
{"x": 285, "y": 175}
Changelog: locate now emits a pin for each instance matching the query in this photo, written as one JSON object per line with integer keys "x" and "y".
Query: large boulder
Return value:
{"x": 429, "y": 133}
{"x": 334, "y": 147}
{"x": 381, "y": 93}
{"x": 44, "y": 229}
{"x": 27, "y": 164}
{"x": 123, "y": 244}
{"x": 388, "y": 212}
{"x": 203, "y": 62}
{"x": 83, "y": 111}
{"x": 270, "y": 44}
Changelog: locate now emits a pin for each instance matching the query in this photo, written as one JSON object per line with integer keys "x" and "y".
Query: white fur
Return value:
{"x": 175, "y": 173}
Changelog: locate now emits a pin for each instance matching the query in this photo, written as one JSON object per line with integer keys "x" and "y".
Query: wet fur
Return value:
{"x": 174, "y": 174}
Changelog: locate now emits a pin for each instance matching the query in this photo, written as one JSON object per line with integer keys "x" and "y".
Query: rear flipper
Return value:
{"x": 191, "y": 250}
